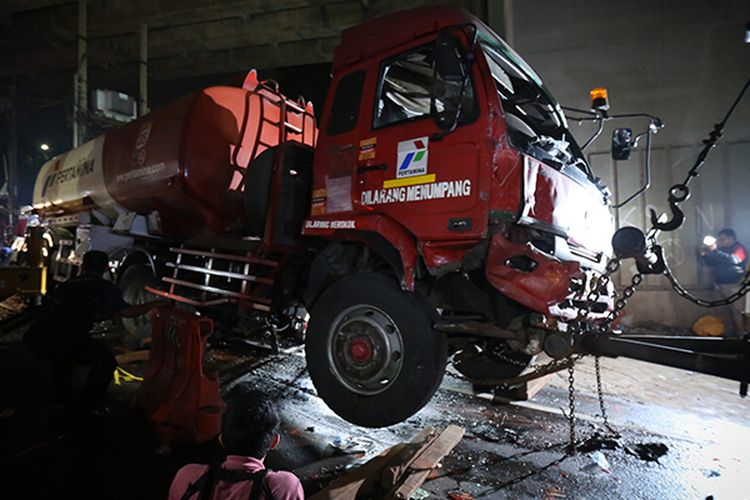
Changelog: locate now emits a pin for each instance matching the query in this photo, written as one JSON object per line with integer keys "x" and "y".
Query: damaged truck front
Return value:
{"x": 464, "y": 218}
{"x": 443, "y": 209}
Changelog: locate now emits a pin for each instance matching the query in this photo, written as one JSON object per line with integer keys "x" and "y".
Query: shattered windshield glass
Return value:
{"x": 535, "y": 122}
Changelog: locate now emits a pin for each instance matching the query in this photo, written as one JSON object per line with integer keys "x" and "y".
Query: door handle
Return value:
{"x": 371, "y": 168}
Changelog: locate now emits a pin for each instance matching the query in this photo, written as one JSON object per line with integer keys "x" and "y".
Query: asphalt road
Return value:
{"x": 510, "y": 451}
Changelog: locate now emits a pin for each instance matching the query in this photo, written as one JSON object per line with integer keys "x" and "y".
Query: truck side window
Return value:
{"x": 404, "y": 92}
{"x": 346, "y": 102}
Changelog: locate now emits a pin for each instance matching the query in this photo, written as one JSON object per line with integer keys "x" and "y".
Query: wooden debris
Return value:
{"x": 361, "y": 480}
{"x": 397, "y": 467}
{"x": 398, "y": 471}
{"x": 12, "y": 306}
{"x": 430, "y": 458}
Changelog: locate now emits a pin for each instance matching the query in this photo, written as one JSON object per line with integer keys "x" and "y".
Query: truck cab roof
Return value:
{"x": 391, "y": 30}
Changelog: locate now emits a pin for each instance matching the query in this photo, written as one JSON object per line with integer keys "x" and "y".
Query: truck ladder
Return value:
{"x": 210, "y": 277}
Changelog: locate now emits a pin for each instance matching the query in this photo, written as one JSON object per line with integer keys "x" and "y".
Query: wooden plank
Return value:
{"x": 536, "y": 385}
{"x": 412, "y": 482}
{"x": 445, "y": 442}
{"x": 395, "y": 470}
{"x": 407, "y": 463}
{"x": 429, "y": 459}
{"x": 361, "y": 481}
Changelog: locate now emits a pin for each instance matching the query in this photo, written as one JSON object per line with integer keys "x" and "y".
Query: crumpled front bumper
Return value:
{"x": 542, "y": 282}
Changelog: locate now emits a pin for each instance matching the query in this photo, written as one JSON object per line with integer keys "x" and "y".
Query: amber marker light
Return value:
{"x": 599, "y": 99}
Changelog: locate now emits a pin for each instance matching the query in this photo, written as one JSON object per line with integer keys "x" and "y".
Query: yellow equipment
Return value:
{"x": 30, "y": 279}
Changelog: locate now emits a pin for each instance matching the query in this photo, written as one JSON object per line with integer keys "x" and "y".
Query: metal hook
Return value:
{"x": 677, "y": 194}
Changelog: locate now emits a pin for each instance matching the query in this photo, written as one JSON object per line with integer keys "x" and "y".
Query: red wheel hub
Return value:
{"x": 361, "y": 350}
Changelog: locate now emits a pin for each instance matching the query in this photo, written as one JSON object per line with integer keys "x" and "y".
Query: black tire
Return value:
{"x": 422, "y": 352}
{"x": 131, "y": 284}
{"x": 477, "y": 365}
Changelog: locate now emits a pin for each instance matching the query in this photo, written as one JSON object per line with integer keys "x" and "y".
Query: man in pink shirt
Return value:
{"x": 250, "y": 428}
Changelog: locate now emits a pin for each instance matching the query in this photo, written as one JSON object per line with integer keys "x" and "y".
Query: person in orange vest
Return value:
{"x": 728, "y": 258}
{"x": 250, "y": 429}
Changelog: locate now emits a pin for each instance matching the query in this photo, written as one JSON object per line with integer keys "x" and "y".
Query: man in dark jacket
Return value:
{"x": 728, "y": 259}
{"x": 61, "y": 332}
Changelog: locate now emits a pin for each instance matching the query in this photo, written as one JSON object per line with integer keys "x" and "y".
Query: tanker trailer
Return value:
{"x": 175, "y": 175}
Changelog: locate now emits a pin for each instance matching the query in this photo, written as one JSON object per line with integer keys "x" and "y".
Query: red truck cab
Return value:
{"x": 510, "y": 175}
{"x": 443, "y": 157}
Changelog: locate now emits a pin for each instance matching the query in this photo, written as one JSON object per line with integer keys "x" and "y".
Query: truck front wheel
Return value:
{"x": 372, "y": 353}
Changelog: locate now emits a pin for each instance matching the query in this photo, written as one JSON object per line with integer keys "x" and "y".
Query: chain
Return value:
{"x": 598, "y": 288}
{"x": 677, "y": 194}
{"x": 571, "y": 409}
{"x": 600, "y": 393}
{"x": 743, "y": 289}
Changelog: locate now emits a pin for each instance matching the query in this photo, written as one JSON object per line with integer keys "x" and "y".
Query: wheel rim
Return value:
{"x": 365, "y": 349}
{"x": 135, "y": 294}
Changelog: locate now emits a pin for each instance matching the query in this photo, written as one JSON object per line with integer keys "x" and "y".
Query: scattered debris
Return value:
{"x": 12, "y": 307}
{"x": 420, "y": 494}
{"x": 459, "y": 495}
{"x": 553, "y": 492}
{"x": 599, "y": 442}
{"x": 599, "y": 463}
{"x": 650, "y": 452}
{"x": 399, "y": 471}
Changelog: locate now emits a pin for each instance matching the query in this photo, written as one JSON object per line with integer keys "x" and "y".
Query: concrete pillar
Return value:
{"x": 80, "y": 81}
{"x": 143, "y": 72}
{"x": 500, "y": 18}
{"x": 12, "y": 171}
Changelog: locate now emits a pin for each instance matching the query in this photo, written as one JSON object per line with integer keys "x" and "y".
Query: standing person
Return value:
{"x": 250, "y": 429}
{"x": 728, "y": 258}
{"x": 61, "y": 333}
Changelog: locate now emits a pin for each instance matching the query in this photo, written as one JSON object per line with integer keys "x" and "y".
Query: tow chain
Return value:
{"x": 743, "y": 289}
{"x": 599, "y": 287}
{"x": 677, "y": 194}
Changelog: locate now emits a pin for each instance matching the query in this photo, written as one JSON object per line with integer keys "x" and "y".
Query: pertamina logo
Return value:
{"x": 57, "y": 176}
{"x": 412, "y": 157}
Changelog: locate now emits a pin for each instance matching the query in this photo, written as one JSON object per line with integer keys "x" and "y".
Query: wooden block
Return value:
{"x": 412, "y": 482}
{"x": 407, "y": 463}
{"x": 536, "y": 385}
{"x": 445, "y": 442}
{"x": 400, "y": 464}
{"x": 421, "y": 466}
{"x": 362, "y": 481}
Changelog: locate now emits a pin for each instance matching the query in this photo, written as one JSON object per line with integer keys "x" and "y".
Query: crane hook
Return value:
{"x": 677, "y": 194}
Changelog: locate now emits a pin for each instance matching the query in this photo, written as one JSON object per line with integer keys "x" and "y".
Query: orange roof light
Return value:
{"x": 599, "y": 99}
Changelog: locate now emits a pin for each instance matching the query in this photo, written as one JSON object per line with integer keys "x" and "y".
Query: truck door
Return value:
{"x": 428, "y": 183}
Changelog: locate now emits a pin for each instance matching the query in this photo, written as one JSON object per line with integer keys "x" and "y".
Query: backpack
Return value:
{"x": 204, "y": 486}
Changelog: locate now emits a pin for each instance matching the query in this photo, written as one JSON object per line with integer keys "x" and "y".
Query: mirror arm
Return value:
{"x": 591, "y": 115}
{"x": 596, "y": 134}
{"x": 647, "y": 184}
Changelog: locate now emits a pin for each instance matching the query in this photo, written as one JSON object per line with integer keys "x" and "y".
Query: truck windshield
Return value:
{"x": 535, "y": 122}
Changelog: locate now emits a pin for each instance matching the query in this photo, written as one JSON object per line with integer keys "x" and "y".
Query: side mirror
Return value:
{"x": 448, "y": 77}
{"x": 449, "y": 65}
{"x": 622, "y": 144}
